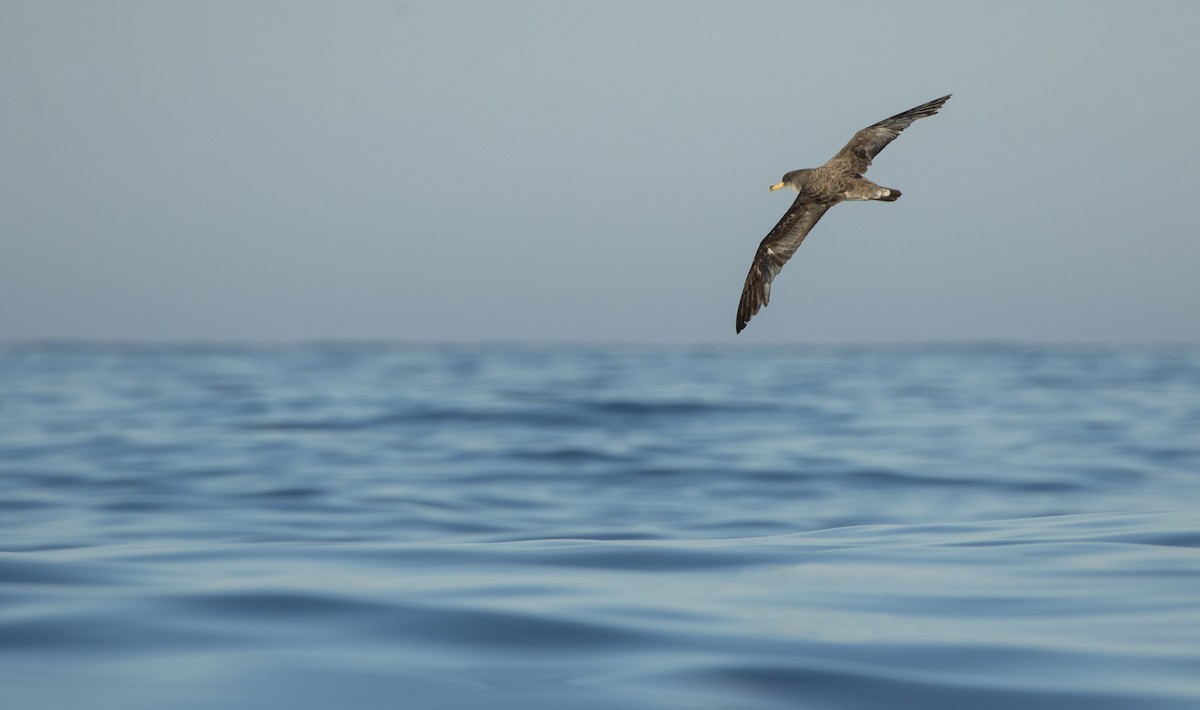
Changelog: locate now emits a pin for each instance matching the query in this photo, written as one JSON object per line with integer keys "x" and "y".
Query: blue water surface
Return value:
{"x": 387, "y": 526}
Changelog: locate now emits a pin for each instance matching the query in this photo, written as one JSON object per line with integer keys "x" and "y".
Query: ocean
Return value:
{"x": 503, "y": 526}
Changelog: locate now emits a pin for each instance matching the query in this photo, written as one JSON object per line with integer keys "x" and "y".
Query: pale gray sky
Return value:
{"x": 559, "y": 171}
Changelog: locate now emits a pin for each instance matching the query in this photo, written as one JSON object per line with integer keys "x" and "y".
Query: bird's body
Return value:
{"x": 839, "y": 179}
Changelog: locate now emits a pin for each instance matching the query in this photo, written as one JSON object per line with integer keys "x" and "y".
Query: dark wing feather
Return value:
{"x": 856, "y": 156}
{"x": 774, "y": 251}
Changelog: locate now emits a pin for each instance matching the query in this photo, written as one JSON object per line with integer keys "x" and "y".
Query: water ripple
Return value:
{"x": 508, "y": 527}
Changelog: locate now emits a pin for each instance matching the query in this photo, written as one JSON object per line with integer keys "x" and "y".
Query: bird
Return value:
{"x": 838, "y": 180}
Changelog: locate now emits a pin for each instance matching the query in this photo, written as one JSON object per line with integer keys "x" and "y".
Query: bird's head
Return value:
{"x": 792, "y": 181}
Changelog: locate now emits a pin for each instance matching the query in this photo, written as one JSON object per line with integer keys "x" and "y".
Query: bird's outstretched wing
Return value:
{"x": 774, "y": 251}
{"x": 856, "y": 156}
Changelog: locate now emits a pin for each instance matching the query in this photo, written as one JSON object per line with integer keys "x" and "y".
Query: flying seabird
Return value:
{"x": 819, "y": 189}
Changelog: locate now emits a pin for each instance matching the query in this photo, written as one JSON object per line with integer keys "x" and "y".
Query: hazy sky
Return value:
{"x": 566, "y": 171}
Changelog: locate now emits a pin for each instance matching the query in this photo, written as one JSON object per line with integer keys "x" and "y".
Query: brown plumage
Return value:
{"x": 819, "y": 189}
